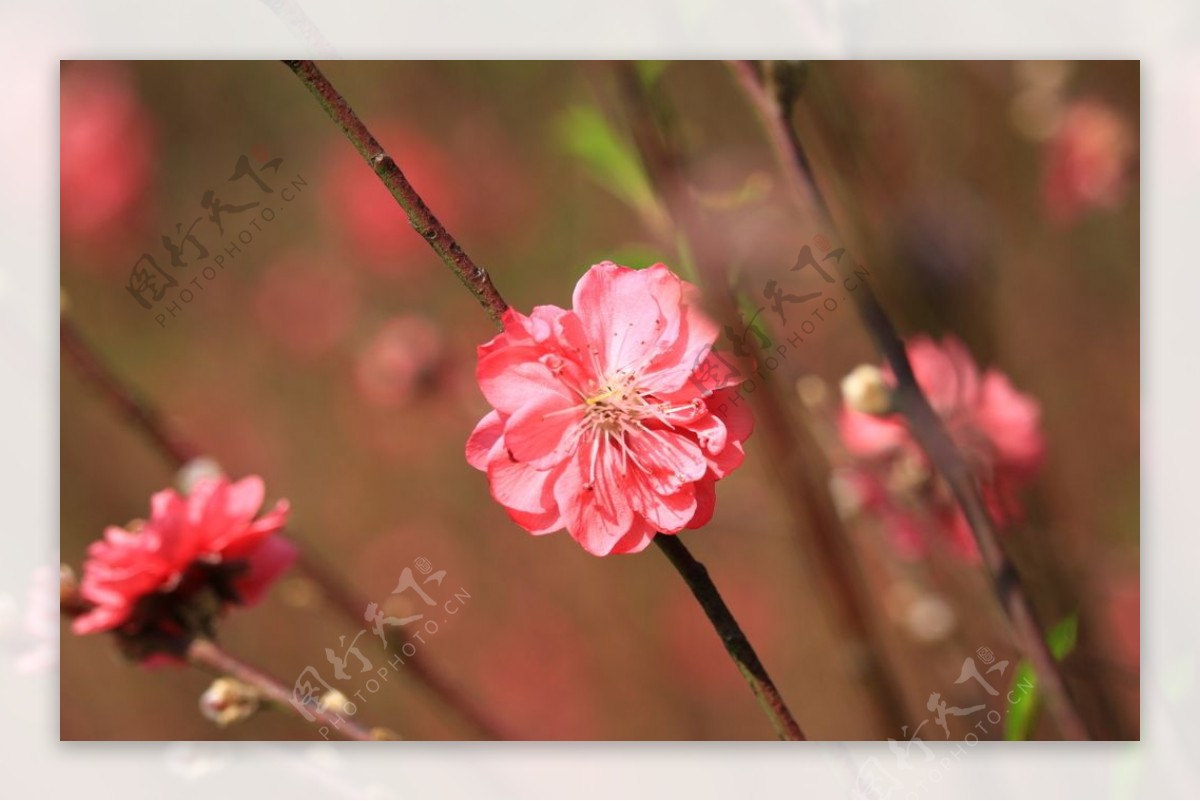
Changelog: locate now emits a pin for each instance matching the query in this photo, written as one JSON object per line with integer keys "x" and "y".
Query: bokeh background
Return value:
{"x": 334, "y": 356}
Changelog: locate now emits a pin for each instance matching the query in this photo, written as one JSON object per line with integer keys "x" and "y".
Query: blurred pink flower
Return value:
{"x": 401, "y": 360}
{"x": 305, "y": 306}
{"x": 602, "y": 422}
{"x": 996, "y": 428}
{"x": 152, "y": 577}
{"x": 107, "y": 158}
{"x": 371, "y": 222}
{"x": 1088, "y": 162}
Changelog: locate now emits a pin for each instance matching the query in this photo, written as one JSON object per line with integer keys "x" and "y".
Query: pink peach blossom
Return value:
{"x": 141, "y": 579}
{"x": 605, "y": 420}
{"x": 996, "y": 428}
{"x": 1089, "y": 161}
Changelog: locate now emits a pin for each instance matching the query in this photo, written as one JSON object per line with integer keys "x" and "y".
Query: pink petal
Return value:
{"x": 267, "y": 563}
{"x": 544, "y": 432}
{"x": 527, "y": 492}
{"x": 513, "y": 378}
{"x": 1012, "y": 422}
{"x": 630, "y": 315}
{"x": 486, "y": 440}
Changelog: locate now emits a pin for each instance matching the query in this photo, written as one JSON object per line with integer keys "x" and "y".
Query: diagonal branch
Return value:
{"x": 732, "y": 636}
{"x": 178, "y": 452}
{"x": 800, "y": 469}
{"x": 474, "y": 277}
{"x": 206, "y": 655}
{"x": 480, "y": 284}
{"x": 773, "y": 96}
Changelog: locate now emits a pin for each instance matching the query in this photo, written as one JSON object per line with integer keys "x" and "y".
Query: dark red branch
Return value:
{"x": 474, "y": 277}
{"x": 773, "y": 95}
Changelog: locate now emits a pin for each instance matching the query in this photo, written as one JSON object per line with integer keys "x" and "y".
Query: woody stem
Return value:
{"x": 207, "y": 655}
{"x": 732, "y": 636}
{"x": 178, "y": 451}
{"x": 773, "y": 96}
{"x": 480, "y": 284}
{"x": 422, "y": 219}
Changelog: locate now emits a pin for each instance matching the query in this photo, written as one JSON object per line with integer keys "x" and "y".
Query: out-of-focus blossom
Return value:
{"x": 401, "y": 360}
{"x": 1089, "y": 161}
{"x": 107, "y": 150}
{"x": 372, "y": 224}
{"x": 611, "y": 420}
{"x": 305, "y": 306}
{"x": 996, "y": 428}
{"x": 196, "y": 555}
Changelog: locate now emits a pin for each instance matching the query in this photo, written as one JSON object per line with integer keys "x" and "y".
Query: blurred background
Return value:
{"x": 334, "y": 356}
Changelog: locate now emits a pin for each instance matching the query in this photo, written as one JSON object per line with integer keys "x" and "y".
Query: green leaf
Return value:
{"x": 585, "y": 134}
{"x": 1023, "y": 712}
{"x": 1062, "y": 637}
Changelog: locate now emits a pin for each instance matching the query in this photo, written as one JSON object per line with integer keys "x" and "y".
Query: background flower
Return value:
{"x": 156, "y": 577}
{"x": 996, "y": 428}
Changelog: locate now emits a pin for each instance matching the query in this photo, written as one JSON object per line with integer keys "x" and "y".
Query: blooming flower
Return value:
{"x": 996, "y": 428}
{"x": 196, "y": 555}
{"x": 608, "y": 419}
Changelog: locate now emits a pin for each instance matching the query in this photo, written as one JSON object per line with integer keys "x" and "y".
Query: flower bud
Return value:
{"x": 865, "y": 390}
{"x": 196, "y": 469}
{"x": 228, "y": 701}
{"x": 336, "y": 701}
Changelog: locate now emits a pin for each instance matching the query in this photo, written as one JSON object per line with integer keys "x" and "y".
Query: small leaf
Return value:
{"x": 1023, "y": 712}
{"x": 584, "y": 133}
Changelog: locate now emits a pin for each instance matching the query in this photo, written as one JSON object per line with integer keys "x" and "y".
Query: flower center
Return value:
{"x": 615, "y": 405}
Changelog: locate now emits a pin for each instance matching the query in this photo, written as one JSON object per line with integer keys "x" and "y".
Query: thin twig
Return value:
{"x": 774, "y": 104}
{"x": 474, "y": 277}
{"x": 178, "y": 452}
{"x": 799, "y": 465}
{"x": 477, "y": 280}
{"x": 732, "y": 636}
{"x": 207, "y": 655}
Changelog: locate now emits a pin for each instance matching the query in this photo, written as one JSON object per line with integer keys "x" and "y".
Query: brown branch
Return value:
{"x": 477, "y": 281}
{"x": 732, "y": 636}
{"x": 123, "y": 398}
{"x": 147, "y": 420}
{"x": 800, "y": 469}
{"x": 474, "y": 277}
{"x": 773, "y": 97}
{"x": 207, "y": 655}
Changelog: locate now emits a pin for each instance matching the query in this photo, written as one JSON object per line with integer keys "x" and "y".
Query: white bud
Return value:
{"x": 337, "y": 702}
{"x": 865, "y": 390}
{"x": 929, "y": 619}
{"x": 228, "y": 701}
{"x": 195, "y": 470}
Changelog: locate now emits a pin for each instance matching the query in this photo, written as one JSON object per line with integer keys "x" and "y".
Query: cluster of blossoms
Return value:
{"x": 601, "y": 423}
{"x": 172, "y": 575}
{"x": 996, "y": 428}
